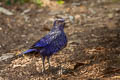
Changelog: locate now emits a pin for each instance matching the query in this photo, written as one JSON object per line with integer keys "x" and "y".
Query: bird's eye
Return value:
{"x": 58, "y": 22}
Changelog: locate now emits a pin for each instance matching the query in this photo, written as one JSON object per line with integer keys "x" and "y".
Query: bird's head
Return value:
{"x": 59, "y": 23}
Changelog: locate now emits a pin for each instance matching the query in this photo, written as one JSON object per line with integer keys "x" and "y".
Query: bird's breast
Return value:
{"x": 58, "y": 42}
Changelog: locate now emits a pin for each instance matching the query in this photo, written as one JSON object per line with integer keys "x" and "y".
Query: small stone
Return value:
{"x": 0, "y": 28}
{"x": 15, "y": 66}
{"x": 5, "y": 11}
{"x": 37, "y": 20}
{"x": 6, "y": 56}
{"x": 26, "y": 18}
{"x": 23, "y": 35}
{"x": 77, "y": 16}
{"x": 25, "y": 11}
{"x": 75, "y": 4}
{"x": 29, "y": 25}
{"x": 110, "y": 15}
{"x": 55, "y": 12}
{"x": 27, "y": 42}
{"x": 40, "y": 10}
{"x": 71, "y": 19}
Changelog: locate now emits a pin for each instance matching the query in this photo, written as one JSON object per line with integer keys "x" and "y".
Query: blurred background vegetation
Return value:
{"x": 39, "y": 2}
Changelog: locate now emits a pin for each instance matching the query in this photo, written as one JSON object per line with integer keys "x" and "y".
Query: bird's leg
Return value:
{"x": 43, "y": 61}
{"x": 48, "y": 59}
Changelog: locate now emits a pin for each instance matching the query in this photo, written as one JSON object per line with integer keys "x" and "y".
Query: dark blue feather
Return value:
{"x": 51, "y": 43}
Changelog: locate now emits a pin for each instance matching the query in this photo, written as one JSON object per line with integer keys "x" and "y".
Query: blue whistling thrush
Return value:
{"x": 53, "y": 42}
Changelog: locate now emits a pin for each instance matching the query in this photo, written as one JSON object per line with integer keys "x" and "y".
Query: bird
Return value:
{"x": 51, "y": 43}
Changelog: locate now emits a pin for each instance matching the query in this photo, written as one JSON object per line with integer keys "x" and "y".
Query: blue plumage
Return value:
{"x": 53, "y": 42}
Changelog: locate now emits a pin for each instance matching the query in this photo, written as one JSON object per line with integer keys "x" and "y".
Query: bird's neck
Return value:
{"x": 60, "y": 27}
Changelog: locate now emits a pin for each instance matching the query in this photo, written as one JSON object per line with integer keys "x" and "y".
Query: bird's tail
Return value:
{"x": 28, "y": 51}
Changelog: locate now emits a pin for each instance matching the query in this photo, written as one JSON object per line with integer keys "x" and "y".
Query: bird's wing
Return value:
{"x": 46, "y": 40}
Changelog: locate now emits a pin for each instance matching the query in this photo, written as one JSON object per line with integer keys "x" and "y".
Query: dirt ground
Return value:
{"x": 93, "y": 50}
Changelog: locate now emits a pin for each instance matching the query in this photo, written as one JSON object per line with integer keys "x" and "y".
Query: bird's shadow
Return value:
{"x": 54, "y": 71}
